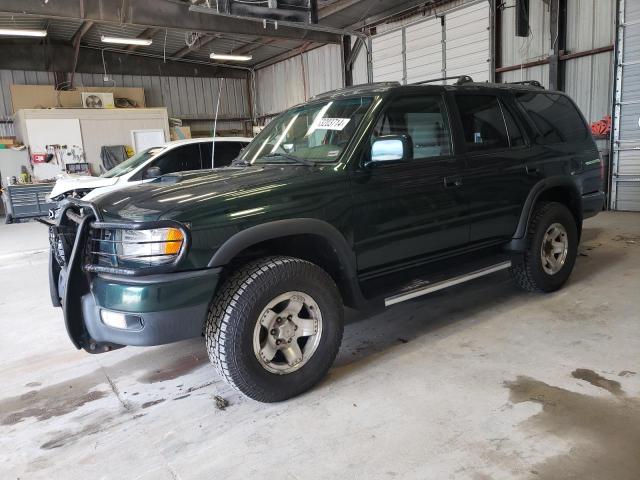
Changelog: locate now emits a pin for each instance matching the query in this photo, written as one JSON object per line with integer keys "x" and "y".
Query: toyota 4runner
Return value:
{"x": 367, "y": 196}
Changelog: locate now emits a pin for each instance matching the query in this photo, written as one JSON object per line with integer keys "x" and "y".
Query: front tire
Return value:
{"x": 552, "y": 246}
{"x": 274, "y": 328}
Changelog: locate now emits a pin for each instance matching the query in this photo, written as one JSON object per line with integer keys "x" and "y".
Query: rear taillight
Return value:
{"x": 602, "y": 170}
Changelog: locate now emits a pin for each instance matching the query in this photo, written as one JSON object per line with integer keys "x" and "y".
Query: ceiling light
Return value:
{"x": 15, "y": 32}
{"x": 222, "y": 56}
{"x": 126, "y": 41}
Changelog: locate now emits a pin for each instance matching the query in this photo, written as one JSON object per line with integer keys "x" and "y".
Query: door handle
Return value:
{"x": 452, "y": 182}
{"x": 532, "y": 169}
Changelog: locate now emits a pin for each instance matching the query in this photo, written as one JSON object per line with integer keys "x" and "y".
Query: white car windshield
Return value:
{"x": 132, "y": 163}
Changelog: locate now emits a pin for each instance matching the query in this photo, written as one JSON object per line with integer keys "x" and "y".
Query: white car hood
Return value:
{"x": 68, "y": 184}
{"x": 108, "y": 189}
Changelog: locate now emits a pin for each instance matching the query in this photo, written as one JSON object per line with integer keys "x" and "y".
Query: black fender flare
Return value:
{"x": 296, "y": 226}
{"x": 519, "y": 237}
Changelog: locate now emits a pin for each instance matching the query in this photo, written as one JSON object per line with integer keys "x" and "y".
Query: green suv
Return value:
{"x": 366, "y": 197}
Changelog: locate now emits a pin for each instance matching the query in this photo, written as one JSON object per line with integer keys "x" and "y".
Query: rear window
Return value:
{"x": 556, "y": 117}
{"x": 482, "y": 122}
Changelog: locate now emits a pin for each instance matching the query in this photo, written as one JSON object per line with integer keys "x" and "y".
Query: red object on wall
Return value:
{"x": 38, "y": 157}
{"x": 602, "y": 127}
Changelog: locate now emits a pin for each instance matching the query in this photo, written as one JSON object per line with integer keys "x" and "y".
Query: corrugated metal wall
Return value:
{"x": 590, "y": 24}
{"x": 295, "y": 80}
{"x": 359, "y": 69}
{"x": 519, "y": 50}
{"x": 188, "y": 98}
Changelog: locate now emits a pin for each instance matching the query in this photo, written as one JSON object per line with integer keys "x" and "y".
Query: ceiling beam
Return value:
{"x": 151, "y": 13}
{"x": 354, "y": 14}
{"x": 305, "y": 47}
{"x": 202, "y": 42}
{"x": 147, "y": 34}
{"x": 254, "y": 45}
{"x": 335, "y": 7}
{"x": 60, "y": 58}
{"x": 81, "y": 32}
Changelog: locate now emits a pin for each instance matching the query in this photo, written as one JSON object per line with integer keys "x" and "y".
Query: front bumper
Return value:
{"x": 170, "y": 306}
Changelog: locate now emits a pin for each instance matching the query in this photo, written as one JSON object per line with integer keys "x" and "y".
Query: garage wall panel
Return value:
{"x": 387, "y": 57}
{"x": 185, "y": 97}
{"x": 455, "y": 42}
{"x": 625, "y": 188}
{"x": 295, "y": 80}
{"x": 520, "y": 50}
{"x": 590, "y": 24}
{"x": 424, "y": 50}
{"x": 467, "y": 40}
{"x": 359, "y": 69}
{"x": 589, "y": 80}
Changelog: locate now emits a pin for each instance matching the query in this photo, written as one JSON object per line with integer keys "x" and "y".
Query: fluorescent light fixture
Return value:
{"x": 126, "y": 41}
{"x": 223, "y": 56}
{"x": 18, "y": 32}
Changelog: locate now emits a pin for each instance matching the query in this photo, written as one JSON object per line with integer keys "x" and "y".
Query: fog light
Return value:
{"x": 123, "y": 321}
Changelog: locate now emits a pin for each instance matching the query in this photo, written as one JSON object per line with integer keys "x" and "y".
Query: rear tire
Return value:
{"x": 552, "y": 245}
{"x": 276, "y": 299}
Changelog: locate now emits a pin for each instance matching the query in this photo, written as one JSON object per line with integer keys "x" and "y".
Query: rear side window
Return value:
{"x": 515, "y": 134}
{"x": 482, "y": 122}
{"x": 555, "y": 116}
{"x": 179, "y": 159}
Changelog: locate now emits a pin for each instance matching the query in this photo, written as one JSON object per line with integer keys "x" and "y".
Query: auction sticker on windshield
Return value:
{"x": 333, "y": 123}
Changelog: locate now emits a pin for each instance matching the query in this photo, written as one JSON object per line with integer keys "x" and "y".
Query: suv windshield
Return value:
{"x": 316, "y": 132}
{"x": 131, "y": 163}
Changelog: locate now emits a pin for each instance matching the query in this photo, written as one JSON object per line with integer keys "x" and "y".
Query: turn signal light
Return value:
{"x": 173, "y": 242}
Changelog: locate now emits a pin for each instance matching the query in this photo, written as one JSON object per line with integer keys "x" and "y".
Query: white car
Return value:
{"x": 146, "y": 165}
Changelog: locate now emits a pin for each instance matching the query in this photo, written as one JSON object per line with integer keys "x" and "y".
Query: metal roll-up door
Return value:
{"x": 458, "y": 44}
{"x": 423, "y": 47}
{"x": 387, "y": 57}
{"x": 625, "y": 181}
{"x": 468, "y": 42}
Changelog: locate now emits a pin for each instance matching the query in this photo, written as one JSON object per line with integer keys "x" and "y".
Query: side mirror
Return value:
{"x": 391, "y": 149}
{"x": 152, "y": 172}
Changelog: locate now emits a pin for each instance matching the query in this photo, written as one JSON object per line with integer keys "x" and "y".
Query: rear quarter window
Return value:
{"x": 555, "y": 116}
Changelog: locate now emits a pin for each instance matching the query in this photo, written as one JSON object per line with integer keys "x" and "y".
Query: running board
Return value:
{"x": 418, "y": 292}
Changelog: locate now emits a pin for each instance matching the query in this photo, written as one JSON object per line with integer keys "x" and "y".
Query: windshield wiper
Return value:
{"x": 292, "y": 158}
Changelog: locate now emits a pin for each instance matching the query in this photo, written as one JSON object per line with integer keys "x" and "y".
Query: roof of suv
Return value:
{"x": 464, "y": 82}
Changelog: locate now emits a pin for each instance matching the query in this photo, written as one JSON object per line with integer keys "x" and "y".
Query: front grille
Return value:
{"x": 61, "y": 239}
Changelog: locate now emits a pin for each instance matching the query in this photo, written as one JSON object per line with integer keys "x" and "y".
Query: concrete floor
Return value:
{"x": 478, "y": 382}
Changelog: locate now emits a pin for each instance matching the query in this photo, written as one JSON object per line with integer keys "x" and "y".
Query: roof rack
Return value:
{"x": 533, "y": 83}
{"x": 355, "y": 87}
{"x": 462, "y": 79}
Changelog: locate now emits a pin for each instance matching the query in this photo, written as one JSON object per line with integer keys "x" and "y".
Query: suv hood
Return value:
{"x": 202, "y": 194}
{"x": 69, "y": 184}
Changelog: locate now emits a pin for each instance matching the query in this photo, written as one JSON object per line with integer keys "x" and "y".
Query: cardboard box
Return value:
{"x": 46, "y": 96}
{"x": 180, "y": 133}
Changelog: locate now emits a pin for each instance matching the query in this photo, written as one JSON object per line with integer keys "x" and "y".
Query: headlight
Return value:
{"x": 152, "y": 247}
